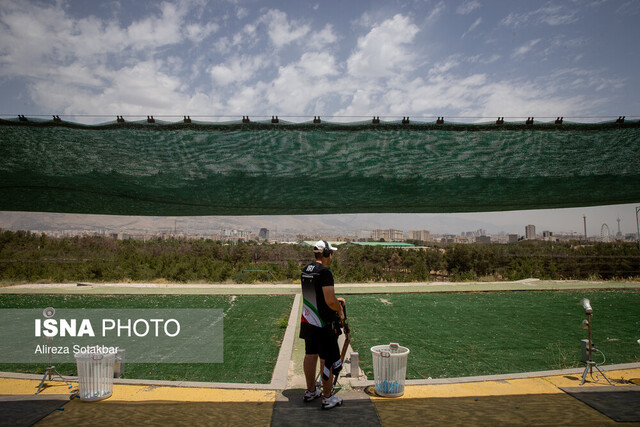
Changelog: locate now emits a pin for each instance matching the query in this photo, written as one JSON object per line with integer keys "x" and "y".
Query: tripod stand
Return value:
{"x": 51, "y": 370}
{"x": 590, "y": 364}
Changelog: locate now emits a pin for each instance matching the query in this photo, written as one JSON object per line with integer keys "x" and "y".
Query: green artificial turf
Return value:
{"x": 253, "y": 331}
{"x": 468, "y": 334}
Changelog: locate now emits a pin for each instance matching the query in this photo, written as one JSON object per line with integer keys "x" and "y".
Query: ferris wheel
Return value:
{"x": 605, "y": 234}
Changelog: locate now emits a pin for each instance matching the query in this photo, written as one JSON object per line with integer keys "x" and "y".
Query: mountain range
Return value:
{"x": 290, "y": 224}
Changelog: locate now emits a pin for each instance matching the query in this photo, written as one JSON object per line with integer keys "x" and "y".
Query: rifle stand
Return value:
{"x": 51, "y": 372}
{"x": 589, "y": 369}
{"x": 587, "y": 353}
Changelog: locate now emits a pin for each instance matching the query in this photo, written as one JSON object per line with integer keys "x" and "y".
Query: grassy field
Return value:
{"x": 467, "y": 334}
{"x": 253, "y": 331}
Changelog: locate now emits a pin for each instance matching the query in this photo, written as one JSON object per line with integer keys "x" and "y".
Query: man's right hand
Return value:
{"x": 341, "y": 313}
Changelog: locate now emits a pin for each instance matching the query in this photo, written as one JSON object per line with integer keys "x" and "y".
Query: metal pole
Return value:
{"x": 588, "y": 369}
{"x": 638, "y": 225}
{"x": 590, "y": 363}
{"x": 590, "y": 342}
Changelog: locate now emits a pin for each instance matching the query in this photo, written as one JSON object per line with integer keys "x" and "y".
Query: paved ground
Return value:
{"x": 549, "y": 400}
{"x": 346, "y": 288}
{"x": 552, "y": 398}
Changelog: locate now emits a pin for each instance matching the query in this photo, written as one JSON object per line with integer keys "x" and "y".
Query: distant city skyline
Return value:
{"x": 508, "y": 222}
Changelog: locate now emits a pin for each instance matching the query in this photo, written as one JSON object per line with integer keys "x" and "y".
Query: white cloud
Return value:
{"x": 158, "y": 31}
{"x": 446, "y": 92}
{"x": 74, "y": 72}
{"x": 524, "y": 100}
{"x": 222, "y": 45}
{"x": 468, "y": 7}
{"x": 317, "y": 64}
{"x": 451, "y": 89}
{"x": 578, "y": 78}
{"x": 299, "y": 86}
{"x": 443, "y": 67}
{"x": 441, "y": 92}
{"x": 247, "y": 100}
{"x": 550, "y": 14}
{"x": 291, "y": 92}
{"x": 237, "y": 69}
{"x": 139, "y": 89}
{"x": 472, "y": 27}
{"x": 324, "y": 37}
{"x": 92, "y": 66}
{"x": 282, "y": 31}
{"x": 564, "y": 44}
{"x": 525, "y": 48}
{"x": 437, "y": 10}
{"x": 383, "y": 51}
{"x": 483, "y": 59}
{"x": 27, "y": 45}
{"x": 248, "y": 37}
{"x": 362, "y": 103}
{"x": 197, "y": 33}
{"x": 143, "y": 82}
{"x": 596, "y": 3}
{"x": 80, "y": 75}
{"x": 630, "y": 7}
{"x": 242, "y": 13}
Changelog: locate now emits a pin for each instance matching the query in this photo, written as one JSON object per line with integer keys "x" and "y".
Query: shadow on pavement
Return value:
{"x": 533, "y": 409}
{"x": 620, "y": 403}
{"x": 161, "y": 413}
{"x": 26, "y": 410}
{"x": 290, "y": 410}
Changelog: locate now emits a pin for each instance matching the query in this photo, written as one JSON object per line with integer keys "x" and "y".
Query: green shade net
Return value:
{"x": 263, "y": 168}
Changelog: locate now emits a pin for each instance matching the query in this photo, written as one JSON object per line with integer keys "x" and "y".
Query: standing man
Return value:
{"x": 320, "y": 327}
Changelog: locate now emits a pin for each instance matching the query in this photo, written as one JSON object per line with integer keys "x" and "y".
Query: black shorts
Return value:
{"x": 320, "y": 341}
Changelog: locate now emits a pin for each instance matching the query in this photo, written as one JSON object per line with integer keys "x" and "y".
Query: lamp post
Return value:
{"x": 584, "y": 217}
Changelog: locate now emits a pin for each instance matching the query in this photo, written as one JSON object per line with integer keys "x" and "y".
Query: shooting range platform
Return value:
{"x": 535, "y": 398}
{"x": 522, "y": 399}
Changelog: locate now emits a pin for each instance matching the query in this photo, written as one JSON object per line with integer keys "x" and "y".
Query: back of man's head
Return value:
{"x": 323, "y": 249}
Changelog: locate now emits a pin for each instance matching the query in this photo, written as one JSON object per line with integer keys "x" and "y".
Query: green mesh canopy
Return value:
{"x": 139, "y": 168}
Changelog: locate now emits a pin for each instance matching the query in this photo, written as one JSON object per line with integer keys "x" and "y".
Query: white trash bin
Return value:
{"x": 95, "y": 375}
{"x": 389, "y": 369}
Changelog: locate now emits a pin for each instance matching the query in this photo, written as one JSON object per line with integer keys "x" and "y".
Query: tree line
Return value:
{"x": 32, "y": 257}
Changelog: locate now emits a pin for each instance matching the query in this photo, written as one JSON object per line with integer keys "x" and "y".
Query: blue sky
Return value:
{"x": 425, "y": 58}
{"x": 469, "y": 58}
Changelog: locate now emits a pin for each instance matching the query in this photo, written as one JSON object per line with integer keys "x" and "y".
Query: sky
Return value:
{"x": 471, "y": 58}
{"x": 468, "y": 60}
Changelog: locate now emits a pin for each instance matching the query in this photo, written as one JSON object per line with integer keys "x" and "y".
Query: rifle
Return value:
{"x": 347, "y": 340}
{"x": 345, "y": 346}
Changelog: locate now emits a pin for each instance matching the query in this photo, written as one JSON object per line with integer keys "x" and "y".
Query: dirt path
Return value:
{"x": 284, "y": 289}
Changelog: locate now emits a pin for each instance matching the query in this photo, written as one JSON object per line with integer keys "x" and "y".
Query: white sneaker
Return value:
{"x": 311, "y": 395}
{"x": 330, "y": 402}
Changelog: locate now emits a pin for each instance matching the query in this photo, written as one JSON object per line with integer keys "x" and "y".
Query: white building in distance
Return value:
{"x": 421, "y": 235}
{"x": 390, "y": 235}
{"x": 530, "y": 232}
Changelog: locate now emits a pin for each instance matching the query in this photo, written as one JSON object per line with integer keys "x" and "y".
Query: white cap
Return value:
{"x": 320, "y": 245}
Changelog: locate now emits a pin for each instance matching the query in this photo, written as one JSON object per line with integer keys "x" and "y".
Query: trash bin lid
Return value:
{"x": 393, "y": 349}
{"x": 94, "y": 353}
